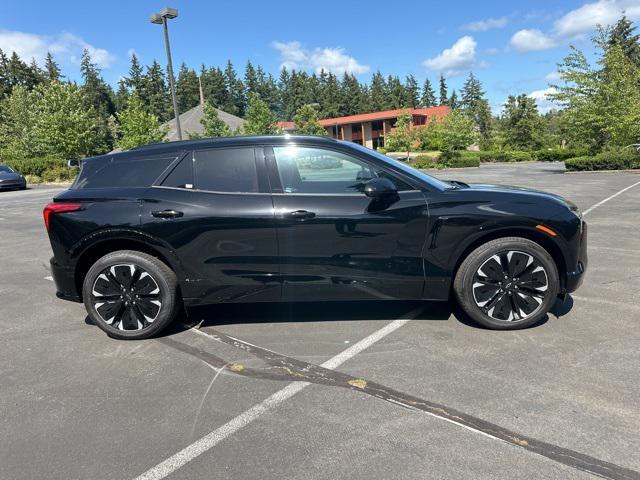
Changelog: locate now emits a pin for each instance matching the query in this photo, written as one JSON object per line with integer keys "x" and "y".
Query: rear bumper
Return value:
{"x": 575, "y": 278}
{"x": 64, "y": 279}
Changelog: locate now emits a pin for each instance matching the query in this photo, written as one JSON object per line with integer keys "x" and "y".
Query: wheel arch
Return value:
{"x": 108, "y": 243}
{"x": 530, "y": 234}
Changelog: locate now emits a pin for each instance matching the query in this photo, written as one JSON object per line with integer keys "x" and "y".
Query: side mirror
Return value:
{"x": 73, "y": 163}
{"x": 379, "y": 188}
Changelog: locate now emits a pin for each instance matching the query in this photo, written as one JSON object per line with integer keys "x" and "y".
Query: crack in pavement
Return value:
{"x": 287, "y": 369}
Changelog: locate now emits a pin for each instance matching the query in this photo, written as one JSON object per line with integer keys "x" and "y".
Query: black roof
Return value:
{"x": 170, "y": 147}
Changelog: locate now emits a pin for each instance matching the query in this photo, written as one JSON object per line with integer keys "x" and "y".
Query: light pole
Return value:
{"x": 161, "y": 19}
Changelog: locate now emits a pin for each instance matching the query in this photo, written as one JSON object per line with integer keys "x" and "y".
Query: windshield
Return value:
{"x": 433, "y": 181}
{"x": 5, "y": 169}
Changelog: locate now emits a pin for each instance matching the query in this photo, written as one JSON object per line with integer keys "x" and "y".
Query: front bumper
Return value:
{"x": 12, "y": 185}
{"x": 64, "y": 279}
{"x": 574, "y": 279}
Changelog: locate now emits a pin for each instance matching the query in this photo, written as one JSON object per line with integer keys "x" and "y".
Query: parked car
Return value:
{"x": 10, "y": 179}
{"x": 292, "y": 218}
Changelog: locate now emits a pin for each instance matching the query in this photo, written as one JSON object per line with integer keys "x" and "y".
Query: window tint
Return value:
{"x": 182, "y": 174}
{"x": 111, "y": 171}
{"x": 5, "y": 169}
{"x": 314, "y": 170}
{"x": 226, "y": 170}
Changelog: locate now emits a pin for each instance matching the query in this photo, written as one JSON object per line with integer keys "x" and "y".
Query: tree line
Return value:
{"x": 44, "y": 114}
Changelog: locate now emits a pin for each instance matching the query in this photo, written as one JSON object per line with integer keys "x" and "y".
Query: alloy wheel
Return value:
{"x": 510, "y": 286}
{"x": 126, "y": 297}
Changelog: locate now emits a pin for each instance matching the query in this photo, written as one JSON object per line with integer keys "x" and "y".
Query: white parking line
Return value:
{"x": 210, "y": 440}
{"x": 590, "y": 209}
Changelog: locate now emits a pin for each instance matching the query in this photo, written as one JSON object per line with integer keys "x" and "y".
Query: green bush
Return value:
{"x": 504, "y": 156}
{"x": 608, "y": 160}
{"x": 450, "y": 159}
{"x": 59, "y": 174}
{"x": 35, "y": 166}
{"x": 424, "y": 161}
{"x": 555, "y": 154}
{"x": 43, "y": 169}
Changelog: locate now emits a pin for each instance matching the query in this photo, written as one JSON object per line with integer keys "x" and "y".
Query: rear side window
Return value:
{"x": 230, "y": 170}
{"x": 182, "y": 174}
{"x": 131, "y": 172}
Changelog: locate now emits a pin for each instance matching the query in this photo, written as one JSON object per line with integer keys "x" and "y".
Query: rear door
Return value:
{"x": 214, "y": 209}
{"x": 337, "y": 243}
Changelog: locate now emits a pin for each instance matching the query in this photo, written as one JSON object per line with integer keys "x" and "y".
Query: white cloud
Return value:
{"x": 294, "y": 56}
{"x": 576, "y": 23}
{"x": 455, "y": 60}
{"x": 603, "y": 12}
{"x": 531, "y": 40}
{"x": 542, "y": 99}
{"x": 552, "y": 76}
{"x": 486, "y": 24}
{"x": 65, "y": 47}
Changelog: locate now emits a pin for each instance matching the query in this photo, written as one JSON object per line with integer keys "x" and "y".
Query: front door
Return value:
{"x": 335, "y": 242}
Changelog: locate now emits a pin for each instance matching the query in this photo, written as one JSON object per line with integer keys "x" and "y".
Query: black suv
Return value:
{"x": 142, "y": 233}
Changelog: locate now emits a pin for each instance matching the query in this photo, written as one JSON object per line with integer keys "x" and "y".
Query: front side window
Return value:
{"x": 315, "y": 170}
{"x": 230, "y": 170}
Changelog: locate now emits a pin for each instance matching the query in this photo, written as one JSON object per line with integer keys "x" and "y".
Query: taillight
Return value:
{"x": 58, "y": 208}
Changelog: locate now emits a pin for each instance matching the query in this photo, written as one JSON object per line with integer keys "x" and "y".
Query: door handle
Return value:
{"x": 301, "y": 214}
{"x": 167, "y": 214}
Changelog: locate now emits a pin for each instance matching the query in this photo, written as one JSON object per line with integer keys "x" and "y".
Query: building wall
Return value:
{"x": 367, "y": 141}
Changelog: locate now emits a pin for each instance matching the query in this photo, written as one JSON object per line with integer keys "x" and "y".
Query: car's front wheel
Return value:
{"x": 507, "y": 283}
{"x": 130, "y": 294}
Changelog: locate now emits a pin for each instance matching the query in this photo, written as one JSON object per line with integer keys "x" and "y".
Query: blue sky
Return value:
{"x": 513, "y": 47}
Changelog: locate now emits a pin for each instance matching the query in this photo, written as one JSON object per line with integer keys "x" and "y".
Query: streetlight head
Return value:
{"x": 169, "y": 12}
{"x": 156, "y": 18}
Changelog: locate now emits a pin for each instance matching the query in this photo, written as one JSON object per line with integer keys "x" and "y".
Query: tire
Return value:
{"x": 131, "y": 295}
{"x": 501, "y": 302}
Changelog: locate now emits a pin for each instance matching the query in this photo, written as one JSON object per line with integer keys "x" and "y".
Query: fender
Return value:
{"x": 111, "y": 234}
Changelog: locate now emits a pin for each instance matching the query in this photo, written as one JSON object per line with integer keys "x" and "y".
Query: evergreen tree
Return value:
{"x": 377, "y": 92}
{"x": 453, "y": 100}
{"x": 251, "y": 80}
{"x": 187, "y": 89}
{"x": 306, "y": 120}
{"x": 259, "y": 119}
{"x": 477, "y": 108}
{"x": 428, "y": 98}
{"x": 122, "y": 96}
{"x": 623, "y": 34}
{"x": 135, "y": 81}
{"x": 137, "y": 126}
{"x": 444, "y": 95}
{"x": 471, "y": 93}
{"x": 98, "y": 93}
{"x": 5, "y": 83}
{"x": 18, "y": 73}
{"x": 155, "y": 93}
{"x": 236, "y": 101}
{"x": 284, "y": 82}
{"x": 412, "y": 91}
{"x": 52, "y": 68}
{"x": 212, "y": 124}
{"x": 351, "y": 95}
{"x": 396, "y": 94}
{"x": 521, "y": 123}
{"x": 214, "y": 87}
{"x": 329, "y": 95}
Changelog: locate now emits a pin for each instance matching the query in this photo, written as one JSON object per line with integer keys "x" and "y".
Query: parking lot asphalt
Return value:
{"x": 77, "y": 404}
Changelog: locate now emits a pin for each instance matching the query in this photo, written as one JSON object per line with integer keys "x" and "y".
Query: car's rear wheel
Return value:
{"x": 507, "y": 283}
{"x": 130, "y": 294}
